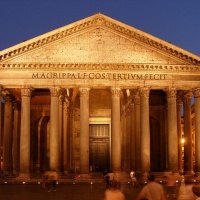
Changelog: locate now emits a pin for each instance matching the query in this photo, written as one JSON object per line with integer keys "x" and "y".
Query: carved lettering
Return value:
{"x": 112, "y": 76}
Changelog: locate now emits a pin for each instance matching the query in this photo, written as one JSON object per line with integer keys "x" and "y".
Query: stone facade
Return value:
{"x": 96, "y": 94}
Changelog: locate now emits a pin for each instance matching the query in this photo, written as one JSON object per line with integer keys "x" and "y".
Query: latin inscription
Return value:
{"x": 112, "y": 76}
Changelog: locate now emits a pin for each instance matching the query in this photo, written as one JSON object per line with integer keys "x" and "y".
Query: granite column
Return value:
{"x": 188, "y": 153}
{"x": 16, "y": 138}
{"x": 84, "y": 130}
{"x": 137, "y": 132}
{"x": 65, "y": 135}
{"x": 145, "y": 129}
{"x": 196, "y": 93}
{"x": 172, "y": 129}
{"x": 116, "y": 138}
{"x": 8, "y": 135}
{"x": 25, "y": 133}
{"x": 54, "y": 129}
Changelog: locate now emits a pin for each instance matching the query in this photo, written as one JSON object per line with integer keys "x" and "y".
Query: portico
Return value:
{"x": 97, "y": 94}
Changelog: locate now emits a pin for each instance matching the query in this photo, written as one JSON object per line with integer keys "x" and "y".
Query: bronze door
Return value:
{"x": 99, "y": 147}
{"x": 99, "y": 155}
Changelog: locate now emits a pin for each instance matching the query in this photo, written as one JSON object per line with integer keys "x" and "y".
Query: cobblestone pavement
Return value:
{"x": 73, "y": 190}
{"x": 68, "y": 191}
{"x": 83, "y": 191}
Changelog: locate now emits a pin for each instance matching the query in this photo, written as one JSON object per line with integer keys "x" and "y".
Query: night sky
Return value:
{"x": 175, "y": 21}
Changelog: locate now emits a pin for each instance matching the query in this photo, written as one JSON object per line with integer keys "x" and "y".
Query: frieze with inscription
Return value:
{"x": 112, "y": 76}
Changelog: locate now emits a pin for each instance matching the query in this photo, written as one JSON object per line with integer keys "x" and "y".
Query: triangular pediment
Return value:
{"x": 97, "y": 39}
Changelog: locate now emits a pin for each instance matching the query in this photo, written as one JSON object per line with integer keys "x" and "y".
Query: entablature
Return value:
{"x": 98, "y": 66}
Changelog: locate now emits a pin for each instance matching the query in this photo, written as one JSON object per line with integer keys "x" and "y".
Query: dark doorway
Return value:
{"x": 99, "y": 148}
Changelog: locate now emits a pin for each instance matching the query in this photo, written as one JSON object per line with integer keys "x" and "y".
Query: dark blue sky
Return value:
{"x": 175, "y": 21}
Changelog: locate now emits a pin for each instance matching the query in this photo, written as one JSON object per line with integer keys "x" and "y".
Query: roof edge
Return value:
{"x": 99, "y": 19}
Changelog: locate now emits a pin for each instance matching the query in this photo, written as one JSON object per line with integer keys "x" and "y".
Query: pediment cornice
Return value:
{"x": 103, "y": 67}
{"x": 100, "y": 20}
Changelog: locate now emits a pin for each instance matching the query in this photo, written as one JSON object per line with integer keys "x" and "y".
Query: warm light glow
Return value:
{"x": 67, "y": 92}
{"x": 182, "y": 140}
{"x": 128, "y": 92}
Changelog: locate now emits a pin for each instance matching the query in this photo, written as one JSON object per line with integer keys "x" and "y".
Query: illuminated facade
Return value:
{"x": 97, "y": 94}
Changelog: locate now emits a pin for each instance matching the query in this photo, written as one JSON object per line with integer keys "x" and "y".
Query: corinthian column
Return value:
{"x": 116, "y": 139}
{"x": 179, "y": 131}
{"x": 25, "y": 133}
{"x": 8, "y": 136}
{"x": 61, "y": 100}
{"x": 84, "y": 130}
{"x": 137, "y": 132}
{"x": 145, "y": 129}
{"x": 65, "y": 135}
{"x": 1, "y": 98}
{"x": 54, "y": 129}
{"x": 197, "y": 129}
{"x": 132, "y": 136}
{"x": 188, "y": 154}
{"x": 172, "y": 129}
{"x": 16, "y": 138}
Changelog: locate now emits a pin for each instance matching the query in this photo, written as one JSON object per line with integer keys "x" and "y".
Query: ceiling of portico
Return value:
{"x": 97, "y": 39}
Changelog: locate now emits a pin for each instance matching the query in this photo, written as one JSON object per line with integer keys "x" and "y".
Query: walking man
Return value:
{"x": 152, "y": 191}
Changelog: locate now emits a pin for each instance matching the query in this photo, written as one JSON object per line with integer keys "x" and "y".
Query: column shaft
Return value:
{"x": 179, "y": 130}
{"x": 1, "y": 99}
{"x": 54, "y": 130}
{"x": 84, "y": 130}
{"x": 116, "y": 137}
{"x": 172, "y": 130}
{"x": 132, "y": 138}
{"x": 61, "y": 99}
{"x": 188, "y": 153}
{"x": 145, "y": 130}
{"x": 137, "y": 133}
{"x": 124, "y": 139}
{"x": 197, "y": 129}
{"x": 65, "y": 136}
{"x": 8, "y": 136}
{"x": 25, "y": 133}
{"x": 16, "y": 139}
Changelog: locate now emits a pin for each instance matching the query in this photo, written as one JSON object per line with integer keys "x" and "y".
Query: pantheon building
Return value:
{"x": 98, "y": 94}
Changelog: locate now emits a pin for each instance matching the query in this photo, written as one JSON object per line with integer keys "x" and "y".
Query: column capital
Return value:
{"x": 115, "y": 91}
{"x": 130, "y": 108}
{"x": 61, "y": 99}
{"x": 66, "y": 104}
{"x": 17, "y": 105}
{"x": 54, "y": 91}
{"x": 144, "y": 92}
{"x": 136, "y": 98}
{"x": 196, "y": 92}
{"x": 187, "y": 98}
{"x": 1, "y": 89}
{"x": 171, "y": 92}
{"x": 84, "y": 91}
{"x": 26, "y": 91}
{"x": 8, "y": 98}
{"x": 179, "y": 103}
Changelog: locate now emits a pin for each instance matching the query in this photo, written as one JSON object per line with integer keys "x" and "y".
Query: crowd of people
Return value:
{"x": 152, "y": 190}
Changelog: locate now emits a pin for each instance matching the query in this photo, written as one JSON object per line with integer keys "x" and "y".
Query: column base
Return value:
{"x": 16, "y": 172}
{"x": 189, "y": 173}
{"x": 197, "y": 174}
{"x": 66, "y": 172}
{"x": 83, "y": 177}
{"x": 23, "y": 176}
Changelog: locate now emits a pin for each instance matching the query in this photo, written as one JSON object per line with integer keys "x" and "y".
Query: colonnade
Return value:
{"x": 140, "y": 155}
